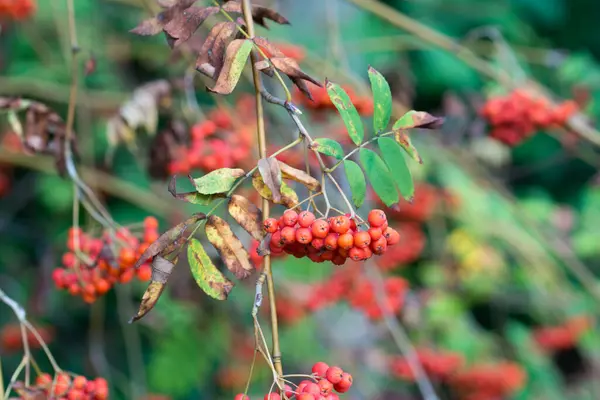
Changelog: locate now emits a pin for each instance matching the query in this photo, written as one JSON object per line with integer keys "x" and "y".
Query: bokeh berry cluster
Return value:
{"x": 102, "y": 262}
{"x": 488, "y": 381}
{"x": 11, "y": 337}
{"x": 561, "y": 337}
{"x": 67, "y": 387}
{"x": 217, "y": 142}
{"x": 438, "y": 365}
{"x": 335, "y": 239}
{"x": 323, "y": 383}
{"x": 322, "y": 102}
{"x": 518, "y": 115}
{"x": 17, "y": 9}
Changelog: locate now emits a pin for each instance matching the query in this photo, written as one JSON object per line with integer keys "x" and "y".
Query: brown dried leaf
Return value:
{"x": 290, "y": 67}
{"x": 259, "y": 13}
{"x": 167, "y": 238}
{"x": 216, "y": 54}
{"x": 289, "y": 198}
{"x": 299, "y": 176}
{"x": 204, "y": 53}
{"x": 271, "y": 175}
{"x": 269, "y": 48}
{"x": 148, "y": 27}
{"x": 247, "y": 215}
{"x": 236, "y": 55}
{"x": 183, "y": 24}
{"x": 302, "y": 85}
{"x": 264, "y": 248}
{"x": 230, "y": 248}
{"x": 161, "y": 271}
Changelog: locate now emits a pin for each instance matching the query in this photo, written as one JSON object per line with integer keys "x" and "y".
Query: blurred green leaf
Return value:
{"x": 394, "y": 158}
{"x": 379, "y": 176}
{"x": 356, "y": 180}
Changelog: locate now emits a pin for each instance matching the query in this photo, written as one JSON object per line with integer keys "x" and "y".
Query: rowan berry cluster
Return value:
{"x": 96, "y": 268}
{"x": 11, "y": 338}
{"x": 66, "y": 387}
{"x": 321, "y": 100}
{"x": 17, "y": 9}
{"x": 323, "y": 384}
{"x": 561, "y": 337}
{"x": 335, "y": 239}
{"x": 438, "y": 365}
{"x": 360, "y": 293}
{"x": 412, "y": 243}
{"x": 489, "y": 381}
{"x": 519, "y": 115}
{"x": 216, "y": 143}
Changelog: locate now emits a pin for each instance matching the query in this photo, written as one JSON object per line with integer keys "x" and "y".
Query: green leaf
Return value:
{"x": 418, "y": 119}
{"x": 404, "y": 140}
{"x": 207, "y": 276}
{"x": 218, "y": 181}
{"x": 394, "y": 158}
{"x": 350, "y": 116}
{"x": 382, "y": 101}
{"x": 379, "y": 175}
{"x": 356, "y": 180}
{"x": 329, "y": 147}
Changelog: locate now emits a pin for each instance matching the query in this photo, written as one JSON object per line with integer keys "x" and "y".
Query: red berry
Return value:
{"x": 334, "y": 374}
{"x": 75, "y": 394}
{"x": 340, "y": 224}
{"x": 43, "y": 380}
{"x": 150, "y": 223}
{"x": 305, "y": 396}
{"x": 317, "y": 243}
{"x": 320, "y": 228}
{"x": 325, "y": 386}
{"x": 272, "y": 396}
{"x": 102, "y": 286}
{"x": 375, "y": 233}
{"x": 288, "y": 391}
{"x": 301, "y": 386}
{"x": 277, "y": 240}
{"x": 345, "y": 241}
{"x": 344, "y": 384}
{"x": 58, "y": 276}
{"x": 305, "y": 219}
{"x": 391, "y": 236}
{"x": 271, "y": 225}
{"x": 376, "y": 218}
{"x": 290, "y": 217}
{"x": 362, "y": 239}
{"x": 79, "y": 382}
{"x": 379, "y": 246}
{"x": 320, "y": 369}
{"x": 312, "y": 388}
{"x": 331, "y": 241}
{"x": 303, "y": 235}
{"x": 288, "y": 235}
{"x": 144, "y": 273}
{"x": 356, "y": 254}
{"x": 241, "y": 396}
{"x": 69, "y": 259}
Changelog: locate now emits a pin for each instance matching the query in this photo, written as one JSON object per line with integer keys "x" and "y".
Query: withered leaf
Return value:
{"x": 303, "y": 86}
{"x": 216, "y": 54}
{"x": 290, "y": 67}
{"x": 271, "y": 176}
{"x": 403, "y": 140}
{"x": 168, "y": 238}
{"x": 230, "y": 248}
{"x": 289, "y": 198}
{"x": 264, "y": 248}
{"x": 236, "y": 55}
{"x": 206, "y": 274}
{"x": 218, "y": 181}
{"x": 161, "y": 271}
{"x": 183, "y": 25}
{"x": 247, "y": 215}
{"x": 192, "y": 197}
{"x": 204, "y": 53}
{"x": 418, "y": 119}
{"x": 268, "y": 47}
{"x": 299, "y": 176}
{"x": 259, "y": 13}
{"x": 148, "y": 27}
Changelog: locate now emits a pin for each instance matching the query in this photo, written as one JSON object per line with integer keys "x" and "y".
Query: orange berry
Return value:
{"x": 76, "y": 394}
{"x": 127, "y": 257}
{"x": 144, "y": 273}
{"x": 277, "y": 240}
{"x": 317, "y": 243}
{"x": 377, "y": 218}
{"x": 89, "y": 289}
{"x": 43, "y": 380}
{"x": 127, "y": 275}
{"x": 375, "y": 233}
{"x": 290, "y": 217}
{"x": 320, "y": 228}
{"x": 345, "y": 241}
{"x": 288, "y": 235}
{"x": 69, "y": 260}
{"x": 362, "y": 239}
{"x": 340, "y": 224}
{"x": 356, "y": 254}
{"x": 151, "y": 236}
{"x": 150, "y": 223}
{"x": 391, "y": 236}
{"x": 270, "y": 225}
{"x": 102, "y": 286}
{"x": 305, "y": 219}
{"x": 331, "y": 241}
{"x": 303, "y": 235}
{"x": 74, "y": 289}
{"x": 79, "y": 382}
{"x": 379, "y": 246}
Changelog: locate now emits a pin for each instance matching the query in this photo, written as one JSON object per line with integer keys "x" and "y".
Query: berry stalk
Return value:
{"x": 262, "y": 150}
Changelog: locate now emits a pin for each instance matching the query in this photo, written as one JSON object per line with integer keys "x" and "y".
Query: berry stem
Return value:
{"x": 261, "y": 139}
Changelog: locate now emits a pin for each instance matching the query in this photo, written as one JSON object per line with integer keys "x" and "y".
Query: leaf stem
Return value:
{"x": 337, "y": 164}
{"x": 261, "y": 139}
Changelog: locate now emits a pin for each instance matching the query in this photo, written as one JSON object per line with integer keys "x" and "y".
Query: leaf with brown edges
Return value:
{"x": 297, "y": 175}
{"x": 216, "y": 54}
{"x": 247, "y": 215}
{"x": 259, "y": 13}
{"x": 236, "y": 55}
{"x": 230, "y": 248}
{"x": 161, "y": 271}
{"x": 271, "y": 176}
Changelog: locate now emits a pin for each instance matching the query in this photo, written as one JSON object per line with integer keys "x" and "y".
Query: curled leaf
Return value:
{"x": 404, "y": 140}
{"x": 247, "y": 215}
{"x": 289, "y": 198}
{"x": 218, "y": 181}
{"x": 299, "y": 176}
{"x": 341, "y": 101}
{"x": 204, "y": 53}
{"x": 418, "y": 119}
{"x": 264, "y": 248}
{"x": 167, "y": 238}
{"x": 269, "y": 48}
{"x": 271, "y": 175}
{"x": 207, "y": 276}
{"x": 290, "y": 67}
{"x": 161, "y": 271}
{"x": 236, "y": 55}
{"x": 216, "y": 54}
{"x": 183, "y": 24}
{"x": 230, "y": 248}
{"x": 329, "y": 147}
{"x": 192, "y": 197}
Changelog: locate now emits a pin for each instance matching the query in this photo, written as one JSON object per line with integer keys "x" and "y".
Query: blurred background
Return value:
{"x": 498, "y": 261}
